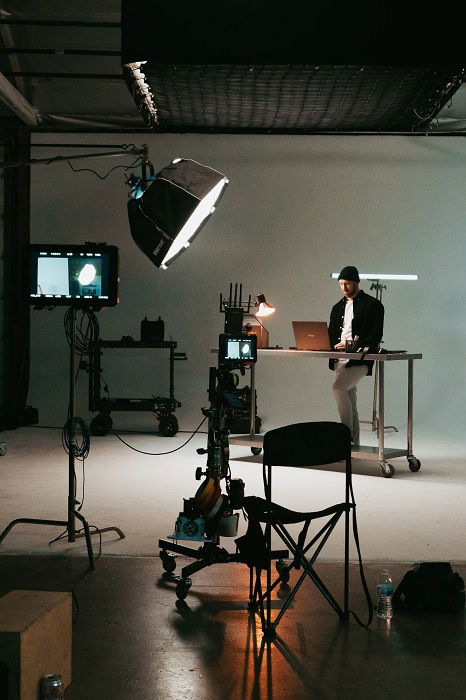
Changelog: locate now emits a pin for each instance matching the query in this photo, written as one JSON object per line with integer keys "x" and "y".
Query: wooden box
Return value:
{"x": 35, "y": 639}
{"x": 261, "y": 332}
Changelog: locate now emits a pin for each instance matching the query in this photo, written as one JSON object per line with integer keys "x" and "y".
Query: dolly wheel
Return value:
{"x": 282, "y": 570}
{"x": 168, "y": 561}
{"x": 182, "y": 588}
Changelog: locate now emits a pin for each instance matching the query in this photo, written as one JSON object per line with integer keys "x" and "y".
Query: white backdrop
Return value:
{"x": 297, "y": 208}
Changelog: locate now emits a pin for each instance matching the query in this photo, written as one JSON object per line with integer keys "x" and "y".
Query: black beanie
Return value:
{"x": 349, "y": 273}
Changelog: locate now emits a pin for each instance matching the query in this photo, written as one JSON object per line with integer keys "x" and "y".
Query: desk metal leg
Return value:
{"x": 410, "y": 407}
{"x": 387, "y": 469}
{"x": 413, "y": 462}
{"x": 380, "y": 424}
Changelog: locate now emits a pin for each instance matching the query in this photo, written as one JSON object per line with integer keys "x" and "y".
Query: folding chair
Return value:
{"x": 298, "y": 445}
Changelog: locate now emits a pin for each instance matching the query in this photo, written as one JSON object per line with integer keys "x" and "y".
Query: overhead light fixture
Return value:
{"x": 169, "y": 212}
{"x": 379, "y": 276}
{"x": 263, "y": 309}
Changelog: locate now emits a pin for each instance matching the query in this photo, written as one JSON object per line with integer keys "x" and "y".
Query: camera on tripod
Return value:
{"x": 209, "y": 514}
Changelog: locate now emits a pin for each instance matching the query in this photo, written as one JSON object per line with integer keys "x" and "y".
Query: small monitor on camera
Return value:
{"x": 85, "y": 276}
{"x": 237, "y": 349}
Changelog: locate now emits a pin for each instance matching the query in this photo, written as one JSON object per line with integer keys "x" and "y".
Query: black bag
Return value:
{"x": 430, "y": 586}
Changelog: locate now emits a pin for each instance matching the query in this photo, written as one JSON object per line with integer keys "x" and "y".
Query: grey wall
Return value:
{"x": 296, "y": 209}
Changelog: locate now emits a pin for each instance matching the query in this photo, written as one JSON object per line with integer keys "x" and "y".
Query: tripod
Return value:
{"x": 73, "y": 513}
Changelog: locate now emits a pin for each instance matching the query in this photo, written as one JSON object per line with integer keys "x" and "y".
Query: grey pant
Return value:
{"x": 344, "y": 389}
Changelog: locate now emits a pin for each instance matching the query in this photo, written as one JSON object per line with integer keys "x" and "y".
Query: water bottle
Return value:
{"x": 384, "y": 595}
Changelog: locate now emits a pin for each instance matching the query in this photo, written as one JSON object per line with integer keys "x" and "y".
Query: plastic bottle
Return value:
{"x": 384, "y": 595}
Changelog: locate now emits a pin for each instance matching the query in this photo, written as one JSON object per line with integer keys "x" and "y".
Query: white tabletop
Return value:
{"x": 336, "y": 355}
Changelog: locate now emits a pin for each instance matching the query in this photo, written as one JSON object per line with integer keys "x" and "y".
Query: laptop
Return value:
{"x": 311, "y": 335}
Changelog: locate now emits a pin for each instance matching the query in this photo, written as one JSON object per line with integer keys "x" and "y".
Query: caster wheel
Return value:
{"x": 414, "y": 464}
{"x": 182, "y": 588}
{"x": 282, "y": 570}
{"x": 2, "y": 449}
{"x": 101, "y": 424}
{"x": 256, "y": 450}
{"x": 387, "y": 470}
{"x": 168, "y": 561}
{"x": 168, "y": 426}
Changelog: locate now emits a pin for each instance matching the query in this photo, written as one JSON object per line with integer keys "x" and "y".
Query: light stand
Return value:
{"x": 73, "y": 514}
{"x": 378, "y": 287}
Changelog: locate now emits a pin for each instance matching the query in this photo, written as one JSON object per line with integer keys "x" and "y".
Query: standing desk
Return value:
{"x": 380, "y": 453}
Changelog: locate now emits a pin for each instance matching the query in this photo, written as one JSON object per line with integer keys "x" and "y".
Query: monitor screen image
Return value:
{"x": 73, "y": 275}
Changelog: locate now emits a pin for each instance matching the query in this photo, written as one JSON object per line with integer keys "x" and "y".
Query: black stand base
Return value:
{"x": 211, "y": 553}
{"x": 71, "y": 536}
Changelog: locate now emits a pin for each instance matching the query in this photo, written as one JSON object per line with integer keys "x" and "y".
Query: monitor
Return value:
{"x": 84, "y": 276}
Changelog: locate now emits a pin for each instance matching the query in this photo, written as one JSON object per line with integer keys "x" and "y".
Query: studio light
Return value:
{"x": 263, "y": 309}
{"x": 167, "y": 215}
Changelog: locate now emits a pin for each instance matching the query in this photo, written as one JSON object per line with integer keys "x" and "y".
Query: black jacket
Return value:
{"x": 367, "y": 324}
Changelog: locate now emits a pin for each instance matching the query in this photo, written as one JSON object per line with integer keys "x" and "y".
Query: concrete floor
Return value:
{"x": 131, "y": 641}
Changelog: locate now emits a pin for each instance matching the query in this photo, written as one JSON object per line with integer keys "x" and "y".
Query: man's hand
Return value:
{"x": 340, "y": 346}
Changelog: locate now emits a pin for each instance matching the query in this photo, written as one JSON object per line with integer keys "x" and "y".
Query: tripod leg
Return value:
{"x": 87, "y": 534}
{"x": 36, "y": 521}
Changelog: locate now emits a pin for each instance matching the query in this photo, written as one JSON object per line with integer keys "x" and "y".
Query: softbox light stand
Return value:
{"x": 73, "y": 513}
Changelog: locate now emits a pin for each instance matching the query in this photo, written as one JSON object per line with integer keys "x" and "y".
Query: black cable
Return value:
{"x": 75, "y": 600}
{"x": 361, "y": 567}
{"x": 103, "y": 177}
{"x": 80, "y": 449}
{"x": 159, "y": 454}
{"x": 83, "y": 337}
{"x": 63, "y": 534}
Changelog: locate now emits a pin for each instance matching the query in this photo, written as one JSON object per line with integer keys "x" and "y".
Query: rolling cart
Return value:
{"x": 162, "y": 407}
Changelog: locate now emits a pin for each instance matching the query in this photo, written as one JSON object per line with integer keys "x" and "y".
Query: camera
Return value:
{"x": 237, "y": 351}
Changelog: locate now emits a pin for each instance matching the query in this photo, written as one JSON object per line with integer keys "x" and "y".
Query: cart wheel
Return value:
{"x": 2, "y": 448}
{"x": 168, "y": 426}
{"x": 282, "y": 570}
{"x": 256, "y": 450}
{"x": 387, "y": 470}
{"x": 168, "y": 561}
{"x": 182, "y": 588}
{"x": 101, "y": 424}
{"x": 414, "y": 464}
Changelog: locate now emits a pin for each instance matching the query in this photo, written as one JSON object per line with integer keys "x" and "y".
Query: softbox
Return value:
{"x": 174, "y": 208}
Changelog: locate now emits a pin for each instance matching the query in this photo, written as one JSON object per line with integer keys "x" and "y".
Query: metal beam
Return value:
{"x": 31, "y": 74}
{"x": 59, "y": 51}
{"x": 17, "y": 102}
{"x": 60, "y": 23}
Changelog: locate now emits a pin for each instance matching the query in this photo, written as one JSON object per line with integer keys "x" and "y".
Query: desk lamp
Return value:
{"x": 263, "y": 309}
{"x": 242, "y": 314}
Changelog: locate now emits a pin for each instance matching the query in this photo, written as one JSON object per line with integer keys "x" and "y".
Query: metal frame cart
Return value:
{"x": 162, "y": 407}
{"x": 380, "y": 453}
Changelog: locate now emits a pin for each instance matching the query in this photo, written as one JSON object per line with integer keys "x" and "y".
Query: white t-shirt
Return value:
{"x": 347, "y": 333}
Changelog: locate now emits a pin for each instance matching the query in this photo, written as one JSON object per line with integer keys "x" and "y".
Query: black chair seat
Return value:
{"x": 260, "y": 510}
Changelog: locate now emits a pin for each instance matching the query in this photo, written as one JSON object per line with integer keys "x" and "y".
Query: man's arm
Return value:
{"x": 371, "y": 328}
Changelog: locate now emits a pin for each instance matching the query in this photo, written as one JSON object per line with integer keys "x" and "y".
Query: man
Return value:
{"x": 357, "y": 318}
